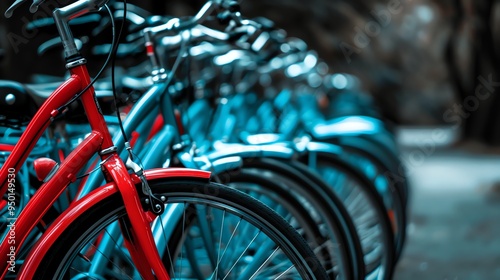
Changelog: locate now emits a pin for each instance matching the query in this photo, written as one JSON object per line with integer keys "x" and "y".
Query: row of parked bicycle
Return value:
{"x": 216, "y": 92}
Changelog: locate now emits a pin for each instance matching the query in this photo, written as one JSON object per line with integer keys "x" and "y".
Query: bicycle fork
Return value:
{"x": 137, "y": 229}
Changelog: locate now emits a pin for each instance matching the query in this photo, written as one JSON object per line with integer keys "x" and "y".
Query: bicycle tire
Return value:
{"x": 325, "y": 202}
{"x": 395, "y": 192}
{"x": 56, "y": 264}
{"x": 347, "y": 181}
{"x": 388, "y": 171}
{"x": 388, "y": 160}
{"x": 314, "y": 224}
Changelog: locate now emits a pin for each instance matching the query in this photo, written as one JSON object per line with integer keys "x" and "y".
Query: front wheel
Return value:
{"x": 217, "y": 233}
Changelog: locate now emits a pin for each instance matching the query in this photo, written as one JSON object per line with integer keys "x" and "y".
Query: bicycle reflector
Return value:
{"x": 44, "y": 167}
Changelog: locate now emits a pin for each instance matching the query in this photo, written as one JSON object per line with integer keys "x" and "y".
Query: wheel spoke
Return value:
{"x": 252, "y": 240}
{"x": 241, "y": 255}
{"x": 220, "y": 243}
{"x": 285, "y": 272}
{"x": 265, "y": 263}
{"x": 183, "y": 227}
{"x": 227, "y": 245}
{"x": 167, "y": 247}
{"x": 113, "y": 263}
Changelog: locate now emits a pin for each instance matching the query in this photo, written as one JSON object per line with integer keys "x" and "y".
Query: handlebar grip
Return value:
{"x": 35, "y": 4}
{"x": 8, "y": 13}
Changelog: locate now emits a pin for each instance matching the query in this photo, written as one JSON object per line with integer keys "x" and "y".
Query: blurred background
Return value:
{"x": 432, "y": 67}
{"x": 425, "y": 62}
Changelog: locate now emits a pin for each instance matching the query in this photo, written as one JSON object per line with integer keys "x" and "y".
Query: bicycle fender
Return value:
{"x": 347, "y": 126}
{"x": 226, "y": 164}
{"x": 39, "y": 250}
{"x": 343, "y": 129}
{"x": 175, "y": 173}
{"x": 252, "y": 151}
{"x": 322, "y": 147}
{"x": 216, "y": 166}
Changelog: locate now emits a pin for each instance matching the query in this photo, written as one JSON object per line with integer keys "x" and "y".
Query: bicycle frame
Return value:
{"x": 98, "y": 141}
{"x": 146, "y": 109}
{"x": 88, "y": 201}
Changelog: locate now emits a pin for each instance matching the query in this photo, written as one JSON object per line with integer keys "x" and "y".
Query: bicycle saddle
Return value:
{"x": 17, "y": 106}
{"x": 40, "y": 92}
{"x": 19, "y": 102}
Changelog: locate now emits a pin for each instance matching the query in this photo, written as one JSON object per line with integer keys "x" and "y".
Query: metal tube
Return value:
{"x": 63, "y": 15}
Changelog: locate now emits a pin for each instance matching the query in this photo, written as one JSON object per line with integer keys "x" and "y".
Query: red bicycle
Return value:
{"x": 253, "y": 241}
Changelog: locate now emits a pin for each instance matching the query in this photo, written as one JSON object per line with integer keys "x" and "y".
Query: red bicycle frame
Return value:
{"x": 142, "y": 248}
{"x": 78, "y": 208}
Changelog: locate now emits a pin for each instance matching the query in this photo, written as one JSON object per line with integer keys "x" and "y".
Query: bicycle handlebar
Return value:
{"x": 176, "y": 25}
{"x": 196, "y": 34}
{"x": 91, "y": 5}
{"x": 62, "y": 16}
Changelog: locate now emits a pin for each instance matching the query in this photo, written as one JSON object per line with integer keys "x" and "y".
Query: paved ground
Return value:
{"x": 454, "y": 230}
